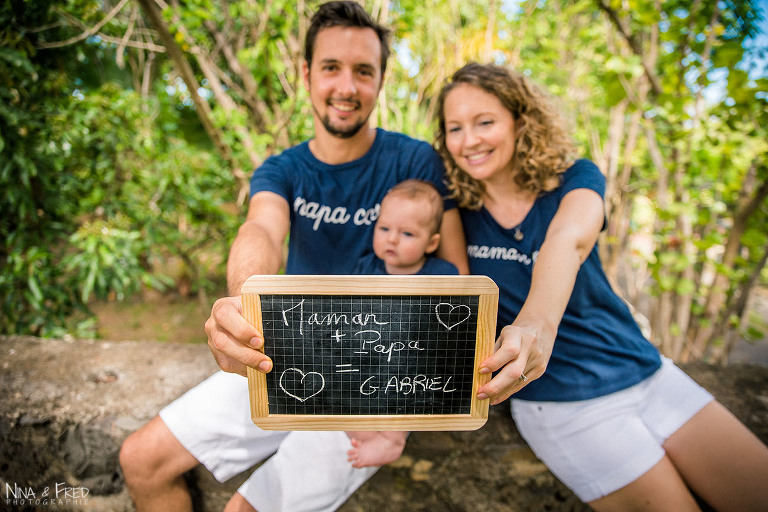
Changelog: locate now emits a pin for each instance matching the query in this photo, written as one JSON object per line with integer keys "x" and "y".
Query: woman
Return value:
{"x": 619, "y": 424}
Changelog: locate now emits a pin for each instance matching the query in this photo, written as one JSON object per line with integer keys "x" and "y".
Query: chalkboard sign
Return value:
{"x": 371, "y": 352}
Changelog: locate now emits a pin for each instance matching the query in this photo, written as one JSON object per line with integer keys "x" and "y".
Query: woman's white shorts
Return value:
{"x": 309, "y": 471}
{"x": 598, "y": 446}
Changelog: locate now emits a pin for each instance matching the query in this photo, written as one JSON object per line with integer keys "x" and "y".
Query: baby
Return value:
{"x": 406, "y": 232}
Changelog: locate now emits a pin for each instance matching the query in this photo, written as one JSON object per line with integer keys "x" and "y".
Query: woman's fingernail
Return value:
{"x": 265, "y": 366}
{"x": 482, "y": 396}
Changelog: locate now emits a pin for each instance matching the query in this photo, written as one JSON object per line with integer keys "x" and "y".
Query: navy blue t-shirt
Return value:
{"x": 599, "y": 348}
{"x": 334, "y": 207}
{"x": 433, "y": 266}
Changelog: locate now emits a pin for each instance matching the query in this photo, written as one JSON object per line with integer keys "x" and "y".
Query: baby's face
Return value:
{"x": 403, "y": 234}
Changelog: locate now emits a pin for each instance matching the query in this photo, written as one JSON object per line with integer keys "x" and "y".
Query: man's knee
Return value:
{"x": 153, "y": 456}
{"x": 131, "y": 458}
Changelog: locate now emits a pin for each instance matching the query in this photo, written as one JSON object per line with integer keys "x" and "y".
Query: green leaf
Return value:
{"x": 727, "y": 55}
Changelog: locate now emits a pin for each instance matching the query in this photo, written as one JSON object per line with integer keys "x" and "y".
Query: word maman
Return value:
{"x": 321, "y": 213}
{"x": 483, "y": 252}
{"x": 361, "y": 319}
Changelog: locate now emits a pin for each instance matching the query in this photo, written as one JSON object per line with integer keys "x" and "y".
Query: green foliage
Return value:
{"x": 95, "y": 183}
{"x": 106, "y": 175}
{"x": 145, "y": 194}
{"x": 104, "y": 259}
{"x": 33, "y": 189}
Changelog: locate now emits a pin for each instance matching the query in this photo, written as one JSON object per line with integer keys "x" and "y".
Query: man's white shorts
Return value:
{"x": 598, "y": 446}
{"x": 308, "y": 471}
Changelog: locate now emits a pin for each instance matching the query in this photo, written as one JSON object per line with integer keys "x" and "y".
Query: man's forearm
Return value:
{"x": 251, "y": 253}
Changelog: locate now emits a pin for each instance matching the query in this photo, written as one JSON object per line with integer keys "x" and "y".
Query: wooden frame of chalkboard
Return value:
{"x": 371, "y": 352}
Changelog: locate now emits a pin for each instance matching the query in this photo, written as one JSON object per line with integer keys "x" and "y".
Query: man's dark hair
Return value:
{"x": 344, "y": 14}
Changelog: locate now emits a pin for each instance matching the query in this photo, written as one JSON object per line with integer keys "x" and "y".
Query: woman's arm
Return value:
{"x": 526, "y": 345}
{"x": 453, "y": 244}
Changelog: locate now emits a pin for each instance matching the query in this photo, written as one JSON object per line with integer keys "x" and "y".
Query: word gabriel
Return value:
{"x": 59, "y": 494}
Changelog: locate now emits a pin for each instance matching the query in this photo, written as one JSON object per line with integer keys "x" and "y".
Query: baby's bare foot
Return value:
{"x": 377, "y": 450}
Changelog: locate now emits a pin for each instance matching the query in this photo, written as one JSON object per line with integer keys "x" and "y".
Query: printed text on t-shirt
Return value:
{"x": 484, "y": 252}
{"x": 321, "y": 213}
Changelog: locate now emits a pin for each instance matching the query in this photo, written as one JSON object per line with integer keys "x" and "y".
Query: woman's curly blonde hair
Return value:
{"x": 543, "y": 149}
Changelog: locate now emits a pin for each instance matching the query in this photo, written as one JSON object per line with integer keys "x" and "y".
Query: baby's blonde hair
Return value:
{"x": 420, "y": 190}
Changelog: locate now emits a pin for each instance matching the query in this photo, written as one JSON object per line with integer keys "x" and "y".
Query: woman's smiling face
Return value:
{"x": 479, "y": 132}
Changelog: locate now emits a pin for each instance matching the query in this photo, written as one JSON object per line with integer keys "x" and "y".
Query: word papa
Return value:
{"x": 321, "y": 213}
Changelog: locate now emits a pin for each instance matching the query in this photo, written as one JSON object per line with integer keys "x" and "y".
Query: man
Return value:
{"x": 325, "y": 194}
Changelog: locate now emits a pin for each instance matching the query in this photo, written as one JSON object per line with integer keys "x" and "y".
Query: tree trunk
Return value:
{"x": 720, "y": 353}
{"x": 185, "y": 71}
{"x": 661, "y": 311}
{"x": 684, "y": 241}
{"x": 752, "y": 195}
{"x": 618, "y": 218}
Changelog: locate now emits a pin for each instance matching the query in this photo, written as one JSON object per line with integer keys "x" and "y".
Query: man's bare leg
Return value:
{"x": 238, "y": 504}
{"x": 153, "y": 463}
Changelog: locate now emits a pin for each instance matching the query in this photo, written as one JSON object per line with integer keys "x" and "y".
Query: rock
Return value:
{"x": 66, "y": 406}
{"x": 420, "y": 470}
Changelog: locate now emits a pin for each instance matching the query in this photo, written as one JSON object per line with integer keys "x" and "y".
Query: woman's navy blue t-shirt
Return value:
{"x": 599, "y": 347}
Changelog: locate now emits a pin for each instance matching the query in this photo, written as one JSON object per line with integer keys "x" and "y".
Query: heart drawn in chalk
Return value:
{"x": 451, "y": 316}
{"x": 301, "y": 386}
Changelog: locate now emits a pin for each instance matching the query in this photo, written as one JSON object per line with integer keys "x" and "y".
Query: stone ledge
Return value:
{"x": 66, "y": 406}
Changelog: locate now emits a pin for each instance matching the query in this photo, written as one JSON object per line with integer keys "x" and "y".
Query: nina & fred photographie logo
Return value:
{"x": 60, "y": 493}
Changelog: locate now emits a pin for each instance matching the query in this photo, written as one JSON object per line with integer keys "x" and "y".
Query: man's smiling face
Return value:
{"x": 344, "y": 78}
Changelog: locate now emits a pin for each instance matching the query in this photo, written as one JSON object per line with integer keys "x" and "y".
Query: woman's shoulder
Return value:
{"x": 583, "y": 173}
{"x": 582, "y": 166}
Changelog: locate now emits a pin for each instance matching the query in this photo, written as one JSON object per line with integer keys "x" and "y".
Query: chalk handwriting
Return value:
{"x": 346, "y": 368}
{"x": 383, "y": 348}
{"x": 361, "y": 319}
{"x": 407, "y": 385}
{"x": 450, "y": 316}
{"x": 302, "y": 386}
{"x": 372, "y": 354}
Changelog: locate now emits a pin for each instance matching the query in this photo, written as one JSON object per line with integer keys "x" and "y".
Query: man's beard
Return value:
{"x": 342, "y": 133}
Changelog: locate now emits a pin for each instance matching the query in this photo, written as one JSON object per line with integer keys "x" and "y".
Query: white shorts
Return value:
{"x": 308, "y": 471}
{"x": 598, "y": 446}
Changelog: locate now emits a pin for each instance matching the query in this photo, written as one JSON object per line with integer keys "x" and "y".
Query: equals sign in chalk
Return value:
{"x": 345, "y": 368}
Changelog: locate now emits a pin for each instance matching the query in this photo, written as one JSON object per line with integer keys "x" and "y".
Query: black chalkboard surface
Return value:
{"x": 371, "y": 352}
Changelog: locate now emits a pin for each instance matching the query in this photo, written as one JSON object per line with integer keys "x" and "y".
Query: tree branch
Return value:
{"x": 184, "y": 69}
{"x": 149, "y": 46}
{"x": 633, "y": 43}
{"x": 91, "y": 31}
{"x": 120, "y": 57}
